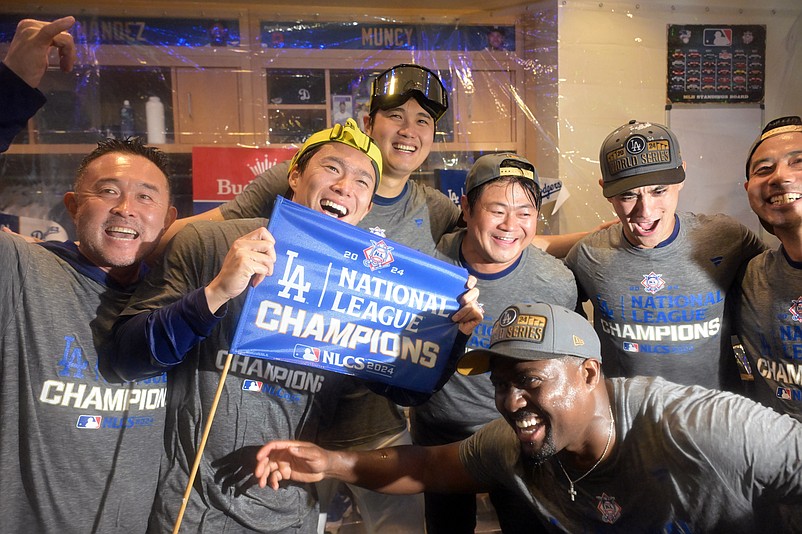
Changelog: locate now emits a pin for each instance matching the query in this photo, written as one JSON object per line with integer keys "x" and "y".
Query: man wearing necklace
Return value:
{"x": 586, "y": 453}
{"x": 658, "y": 281}
{"x": 769, "y": 305}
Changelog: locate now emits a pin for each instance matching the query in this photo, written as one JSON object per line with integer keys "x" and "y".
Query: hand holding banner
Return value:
{"x": 344, "y": 300}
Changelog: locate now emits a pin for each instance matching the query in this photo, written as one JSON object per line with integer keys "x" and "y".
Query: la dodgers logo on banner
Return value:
{"x": 343, "y": 301}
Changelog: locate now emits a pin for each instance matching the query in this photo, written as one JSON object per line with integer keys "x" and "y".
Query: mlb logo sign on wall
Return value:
{"x": 718, "y": 37}
{"x": 341, "y": 300}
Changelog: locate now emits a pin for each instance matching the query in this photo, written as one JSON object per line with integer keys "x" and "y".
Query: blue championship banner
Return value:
{"x": 345, "y": 300}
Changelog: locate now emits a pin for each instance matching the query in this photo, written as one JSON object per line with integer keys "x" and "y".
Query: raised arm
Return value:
{"x": 23, "y": 68}
{"x": 399, "y": 470}
{"x": 28, "y": 53}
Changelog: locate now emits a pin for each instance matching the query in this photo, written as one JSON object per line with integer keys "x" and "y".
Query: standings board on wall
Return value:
{"x": 715, "y": 140}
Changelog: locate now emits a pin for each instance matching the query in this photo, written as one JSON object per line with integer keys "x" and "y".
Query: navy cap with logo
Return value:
{"x": 536, "y": 331}
{"x": 639, "y": 154}
{"x": 776, "y": 127}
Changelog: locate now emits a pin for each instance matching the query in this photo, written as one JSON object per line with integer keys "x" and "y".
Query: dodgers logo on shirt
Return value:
{"x": 378, "y": 255}
{"x": 653, "y": 282}
{"x": 89, "y": 421}
{"x": 796, "y": 309}
{"x": 609, "y": 509}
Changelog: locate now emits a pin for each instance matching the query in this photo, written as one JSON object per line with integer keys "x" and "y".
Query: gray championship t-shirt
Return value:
{"x": 261, "y": 401}
{"x": 467, "y": 402}
{"x": 79, "y": 450}
{"x": 685, "y": 459}
{"x": 768, "y": 321}
{"x": 660, "y": 311}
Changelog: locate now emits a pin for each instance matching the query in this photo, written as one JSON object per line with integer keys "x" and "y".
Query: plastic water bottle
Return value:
{"x": 126, "y": 120}
{"x": 154, "y": 114}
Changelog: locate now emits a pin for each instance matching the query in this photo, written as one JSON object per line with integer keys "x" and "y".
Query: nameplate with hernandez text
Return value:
{"x": 344, "y": 300}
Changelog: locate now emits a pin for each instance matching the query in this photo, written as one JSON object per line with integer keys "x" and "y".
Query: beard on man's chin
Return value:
{"x": 537, "y": 458}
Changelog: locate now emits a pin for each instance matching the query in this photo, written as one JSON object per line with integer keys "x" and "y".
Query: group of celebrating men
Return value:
{"x": 102, "y": 419}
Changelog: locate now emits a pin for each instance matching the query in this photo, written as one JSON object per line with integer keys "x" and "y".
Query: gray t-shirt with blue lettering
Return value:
{"x": 660, "y": 311}
{"x": 768, "y": 321}
{"x": 261, "y": 401}
{"x": 79, "y": 449}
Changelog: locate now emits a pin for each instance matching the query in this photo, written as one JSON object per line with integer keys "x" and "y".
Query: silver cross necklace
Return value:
{"x": 571, "y": 483}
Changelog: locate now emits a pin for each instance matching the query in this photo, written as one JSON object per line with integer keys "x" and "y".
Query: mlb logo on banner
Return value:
{"x": 342, "y": 300}
{"x": 718, "y": 37}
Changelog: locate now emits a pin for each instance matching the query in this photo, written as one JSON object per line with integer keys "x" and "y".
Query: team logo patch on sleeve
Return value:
{"x": 89, "y": 421}
{"x": 653, "y": 282}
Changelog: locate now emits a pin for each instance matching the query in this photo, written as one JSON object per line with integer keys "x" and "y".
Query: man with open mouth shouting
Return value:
{"x": 587, "y": 454}
{"x": 658, "y": 281}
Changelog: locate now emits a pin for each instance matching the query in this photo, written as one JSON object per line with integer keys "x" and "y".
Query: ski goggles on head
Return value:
{"x": 347, "y": 134}
{"x": 397, "y": 84}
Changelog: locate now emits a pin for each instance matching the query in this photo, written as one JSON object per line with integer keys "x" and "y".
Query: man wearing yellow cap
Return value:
{"x": 186, "y": 312}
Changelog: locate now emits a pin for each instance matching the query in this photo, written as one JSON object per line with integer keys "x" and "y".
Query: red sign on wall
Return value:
{"x": 221, "y": 173}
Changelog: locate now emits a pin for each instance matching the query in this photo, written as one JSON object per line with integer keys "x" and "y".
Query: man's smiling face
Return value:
{"x": 774, "y": 187}
{"x": 338, "y": 180}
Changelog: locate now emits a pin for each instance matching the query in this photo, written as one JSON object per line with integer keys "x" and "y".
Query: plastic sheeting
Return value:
{"x": 548, "y": 80}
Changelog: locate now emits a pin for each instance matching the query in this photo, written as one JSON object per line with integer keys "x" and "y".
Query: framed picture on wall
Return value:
{"x": 342, "y": 108}
{"x": 716, "y": 63}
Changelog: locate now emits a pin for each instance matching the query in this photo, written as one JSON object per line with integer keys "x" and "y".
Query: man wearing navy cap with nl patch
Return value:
{"x": 500, "y": 208}
{"x": 586, "y": 454}
{"x": 658, "y": 282}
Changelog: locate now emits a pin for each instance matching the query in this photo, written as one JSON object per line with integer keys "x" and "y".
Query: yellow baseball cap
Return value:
{"x": 348, "y": 134}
